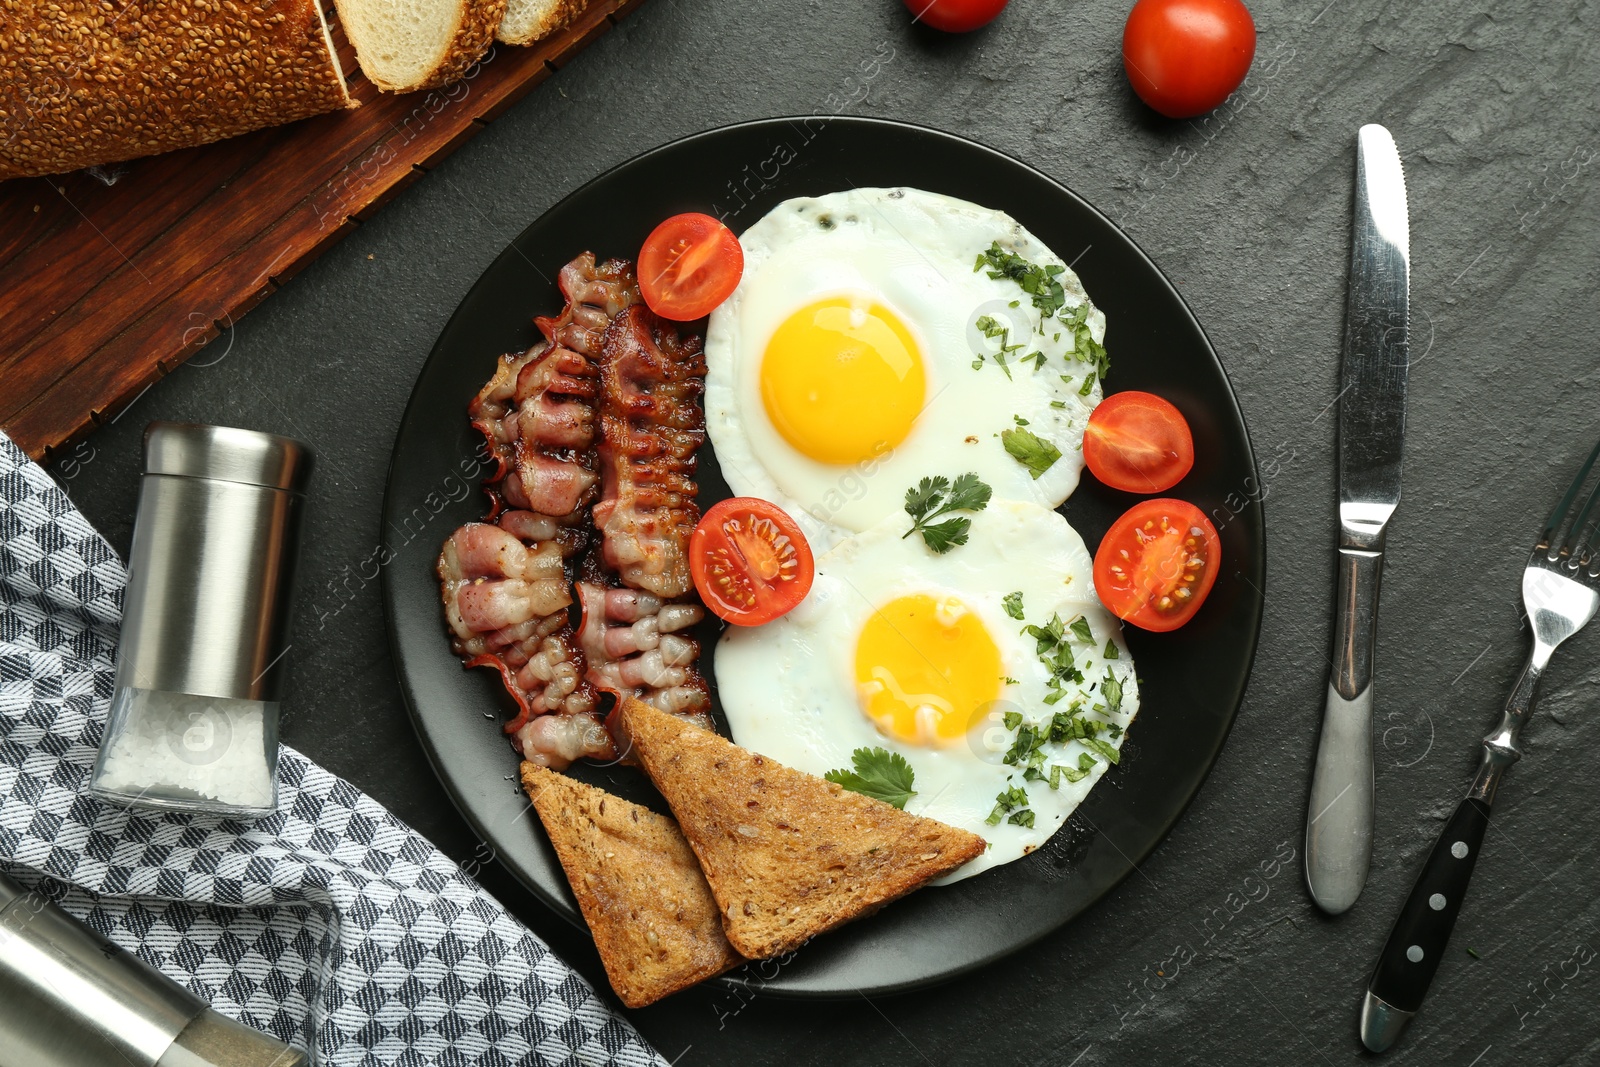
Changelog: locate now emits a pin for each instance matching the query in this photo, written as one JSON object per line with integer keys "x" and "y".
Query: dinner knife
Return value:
{"x": 1372, "y": 420}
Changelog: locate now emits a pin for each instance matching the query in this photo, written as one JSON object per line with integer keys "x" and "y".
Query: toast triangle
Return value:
{"x": 788, "y": 855}
{"x": 638, "y": 885}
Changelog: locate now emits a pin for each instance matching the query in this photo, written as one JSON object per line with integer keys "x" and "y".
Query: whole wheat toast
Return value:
{"x": 639, "y": 887}
{"x": 788, "y": 855}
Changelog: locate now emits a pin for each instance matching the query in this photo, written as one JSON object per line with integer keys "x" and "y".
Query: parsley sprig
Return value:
{"x": 879, "y": 774}
{"x": 934, "y": 498}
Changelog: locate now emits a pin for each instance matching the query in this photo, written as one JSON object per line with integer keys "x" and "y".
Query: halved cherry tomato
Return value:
{"x": 955, "y": 16}
{"x": 1184, "y": 57}
{"x": 750, "y": 561}
{"x": 1138, "y": 442}
{"x": 1157, "y": 563}
{"x": 689, "y": 264}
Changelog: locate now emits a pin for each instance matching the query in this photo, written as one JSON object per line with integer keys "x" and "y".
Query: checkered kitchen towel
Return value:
{"x": 330, "y": 924}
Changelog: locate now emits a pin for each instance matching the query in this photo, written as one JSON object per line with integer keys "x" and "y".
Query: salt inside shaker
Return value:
{"x": 194, "y": 713}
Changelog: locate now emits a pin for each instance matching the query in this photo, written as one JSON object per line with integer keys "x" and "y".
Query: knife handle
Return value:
{"x": 1339, "y": 815}
{"x": 1417, "y": 943}
{"x": 1339, "y": 812}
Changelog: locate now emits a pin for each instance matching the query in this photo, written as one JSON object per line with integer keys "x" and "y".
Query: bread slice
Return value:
{"x": 638, "y": 885}
{"x": 788, "y": 855}
{"x": 527, "y": 21}
{"x": 83, "y": 82}
{"x": 404, "y": 45}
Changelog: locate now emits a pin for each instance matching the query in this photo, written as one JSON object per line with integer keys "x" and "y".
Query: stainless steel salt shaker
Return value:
{"x": 69, "y": 997}
{"x": 194, "y": 716}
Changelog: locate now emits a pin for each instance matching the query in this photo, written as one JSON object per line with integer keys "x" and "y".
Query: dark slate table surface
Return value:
{"x": 1212, "y": 952}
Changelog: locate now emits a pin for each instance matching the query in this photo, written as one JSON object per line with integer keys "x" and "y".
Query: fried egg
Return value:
{"x": 989, "y": 668}
{"x": 864, "y": 350}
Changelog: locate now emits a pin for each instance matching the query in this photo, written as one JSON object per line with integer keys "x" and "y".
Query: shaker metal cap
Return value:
{"x": 211, "y": 567}
{"x": 193, "y": 450}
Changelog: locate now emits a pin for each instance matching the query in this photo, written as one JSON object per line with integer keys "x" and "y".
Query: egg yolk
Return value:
{"x": 842, "y": 380}
{"x": 925, "y": 667}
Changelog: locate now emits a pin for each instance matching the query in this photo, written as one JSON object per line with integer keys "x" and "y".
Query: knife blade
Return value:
{"x": 1372, "y": 418}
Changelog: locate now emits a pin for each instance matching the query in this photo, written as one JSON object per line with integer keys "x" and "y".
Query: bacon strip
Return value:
{"x": 651, "y": 424}
{"x": 505, "y": 586}
{"x": 537, "y": 412}
{"x": 635, "y": 645}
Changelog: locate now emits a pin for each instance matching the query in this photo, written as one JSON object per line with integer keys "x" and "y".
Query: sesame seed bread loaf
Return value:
{"x": 788, "y": 855}
{"x": 638, "y": 886}
{"x": 85, "y": 82}
{"x": 404, "y": 45}
{"x": 527, "y": 21}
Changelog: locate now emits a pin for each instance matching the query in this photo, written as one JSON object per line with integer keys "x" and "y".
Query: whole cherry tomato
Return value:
{"x": 955, "y": 16}
{"x": 1184, "y": 57}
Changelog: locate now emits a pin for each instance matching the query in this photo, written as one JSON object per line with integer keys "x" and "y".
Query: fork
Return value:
{"x": 1560, "y": 591}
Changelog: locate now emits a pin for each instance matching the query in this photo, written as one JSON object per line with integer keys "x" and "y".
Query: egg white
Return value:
{"x": 914, "y": 252}
{"x": 788, "y": 687}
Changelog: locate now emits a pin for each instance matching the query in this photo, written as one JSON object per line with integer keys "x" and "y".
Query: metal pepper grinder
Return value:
{"x": 70, "y": 998}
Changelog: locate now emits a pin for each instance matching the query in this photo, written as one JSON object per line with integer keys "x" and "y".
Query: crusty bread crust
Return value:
{"x": 83, "y": 83}
{"x": 639, "y": 887}
{"x": 527, "y": 21}
{"x": 479, "y": 21}
{"x": 788, "y": 855}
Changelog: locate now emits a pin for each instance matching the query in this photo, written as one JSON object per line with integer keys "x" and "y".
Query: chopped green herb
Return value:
{"x": 879, "y": 774}
{"x": 1055, "y": 653}
{"x": 1030, "y": 450}
{"x": 1080, "y": 627}
{"x": 1027, "y": 742}
{"x": 1058, "y": 404}
{"x": 1071, "y": 726}
{"x": 1008, "y": 680}
{"x": 993, "y": 329}
{"x": 1013, "y": 719}
{"x": 1022, "y": 818}
{"x": 1088, "y": 385}
{"x": 1474, "y": 953}
{"x": 1013, "y": 604}
{"x": 1042, "y": 284}
{"x": 1103, "y": 748}
{"x": 939, "y": 496}
{"x": 1007, "y": 800}
{"x": 1111, "y": 689}
{"x": 1112, "y": 652}
{"x": 1020, "y": 421}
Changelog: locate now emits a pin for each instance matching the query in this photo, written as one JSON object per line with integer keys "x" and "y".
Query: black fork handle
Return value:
{"x": 1417, "y": 943}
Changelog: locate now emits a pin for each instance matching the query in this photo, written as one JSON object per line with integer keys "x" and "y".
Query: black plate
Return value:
{"x": 1192, "y": 681}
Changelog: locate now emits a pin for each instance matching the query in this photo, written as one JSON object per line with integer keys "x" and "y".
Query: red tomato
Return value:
{"x": 1138, "y": 442}
{"x": 955, "y": 16}
{"x": 750, "y": 561}
{"x": 1185, "y": 56}
{"x": 1157, "y": 563}
{"x": 688, "y": 265}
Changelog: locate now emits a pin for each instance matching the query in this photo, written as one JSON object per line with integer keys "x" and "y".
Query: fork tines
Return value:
{"x": 1575, "y": 543}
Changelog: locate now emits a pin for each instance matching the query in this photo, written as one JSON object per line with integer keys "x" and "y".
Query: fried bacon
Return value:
{"x": 607, "y": 407}
{"x": 537, "y": 412}
{"x": 635, "y": 645}
{"x": 650, "y": 425}
{"x": 506, "y": 605}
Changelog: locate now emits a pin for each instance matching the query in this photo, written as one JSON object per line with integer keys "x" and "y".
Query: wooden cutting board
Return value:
{"x": 106, "y": 288}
